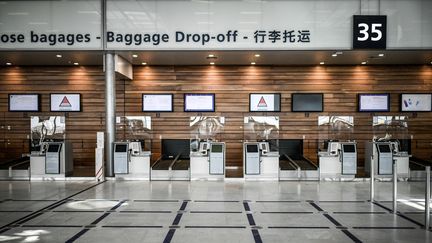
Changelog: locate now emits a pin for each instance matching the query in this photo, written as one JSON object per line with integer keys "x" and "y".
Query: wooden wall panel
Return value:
{"x": 232, "y": 85}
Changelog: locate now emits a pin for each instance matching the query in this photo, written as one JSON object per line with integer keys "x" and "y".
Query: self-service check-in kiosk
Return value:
{"x": 54, "y": 161}
{"x": 130, "y": 162}
{"x": 382, "y": 154}
{"x": 208, "y": 163}
{"x": 339, "y": 161}
{"x": 259, "y": 162}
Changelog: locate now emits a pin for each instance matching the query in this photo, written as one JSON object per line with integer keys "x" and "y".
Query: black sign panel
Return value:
{"x": 369, "y": 32}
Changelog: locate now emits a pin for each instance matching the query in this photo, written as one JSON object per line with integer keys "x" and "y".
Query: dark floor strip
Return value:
{"x": 183, "y": 206}
{"x": 78, "y": 235}
{"x": 31, "y": 200}
{"x": 215, "y": 201}
{"x": 100, "y": 218}
{"x": 298, "y": 227}
{"x": 382, "y": 206}
{"x": 337, "y": 201}
{"x": 118, "y": 205}
{"x": 288, "y": 212}
{"x": 15, "y": 211}
{"x": 78, "y": 211}
{"x": 250, "y": 219}
{"x": 156, "y": 200}
{"x": 169, "y": 236}
{"x": 282, "y": 201}
{"x": 246, "y": 206}
{"x": 214, "y": 212}
{"x": 419, "y": 212}
{"x": 334, "y": 221}
{"x": 214, "y": 227}
{"x": 411, "y": 220}
{"x": 360, "y": 212}
{"x": 177, "y": 219}
{"x": 256, "y": 236}
{"x": 316, "y": 206}
{"x": 132, "y": 226}
{"x": 399, "y": 214}
{"x": 351, "y": 236}
{"x": 142, "y": 211}
{"x": 51, "y": 226}
{"x": 383, "y": 227}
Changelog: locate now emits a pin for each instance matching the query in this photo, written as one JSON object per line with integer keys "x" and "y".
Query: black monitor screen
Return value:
{"x": 307, "y": 102}
{"x": 252, "y": 148}
{"x": 173, "y": 147}
{"x": 53, "y": 148}
{"x": 384, "y": 148}
{"x": 216, "y": 148}
{"x": 349, "y": 148}
{"x": 120, "y": 148}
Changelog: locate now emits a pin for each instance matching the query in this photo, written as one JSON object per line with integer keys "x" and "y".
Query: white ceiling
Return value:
{"x": 391, "y": 57}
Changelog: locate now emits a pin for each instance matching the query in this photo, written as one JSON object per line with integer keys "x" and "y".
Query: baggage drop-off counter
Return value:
{"x": 174, "y": 163}
{"x": 209, "y": 162}
{"x": 259, "y": 163}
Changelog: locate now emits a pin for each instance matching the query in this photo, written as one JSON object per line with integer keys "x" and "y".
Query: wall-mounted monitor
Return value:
{"x": 199, "y": 102}
{"x": 307, "y": 102}
{"x": 374, "y": 102}
{"x": 157, "y": 102}
{"x": 65, "y": 102}
{"x": 264, "y": 102}
{"x": 24, "y": 102}
{"x": 416, "y": 102}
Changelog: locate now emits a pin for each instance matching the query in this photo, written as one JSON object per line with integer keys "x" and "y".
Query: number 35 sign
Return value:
{"x": 369, "y": 32}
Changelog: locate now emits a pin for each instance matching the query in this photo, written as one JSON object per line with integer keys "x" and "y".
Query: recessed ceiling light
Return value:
{"x": 253, "y": 63}
{"x": 381, "y": 54}
{"x": 143, "y": 63}
{"x": 322, "y": 63}
{"x": 58, "y": 55}
{"x": 8, "y": 63}
{"x": 134, "y": 55}
{"x": 76, "y": 64}
{"x": 212, "y": 63}
{"x": 257, "y": 55}
{"x": 363, "y": 63}
{"x": 334, "y": 55}
{"x": 211, "y": 55}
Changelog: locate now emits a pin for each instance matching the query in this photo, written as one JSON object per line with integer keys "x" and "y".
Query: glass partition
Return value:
{"x": 387, "y": 128}
{"x": 205, "y": 128}
{"x": 262, "y": 129}
{"x": 136, "y": 128}
{"x": 46, "y": 129}
{"x": 334, "y": 128}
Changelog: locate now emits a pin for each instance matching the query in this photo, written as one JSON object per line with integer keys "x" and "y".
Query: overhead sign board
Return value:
{"x": 369, "y": 32}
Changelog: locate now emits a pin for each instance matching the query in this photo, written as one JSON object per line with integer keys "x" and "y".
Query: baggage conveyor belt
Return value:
{"x": 417, "y": 168}
{"x": 171, "y": 169}
{"x": 16, "y": 169}
{"x": 297, "y": 167}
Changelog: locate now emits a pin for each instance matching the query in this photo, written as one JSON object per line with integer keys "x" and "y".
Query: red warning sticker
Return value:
{"x": 65, "y": 102}
{"x": 262, "y": 102}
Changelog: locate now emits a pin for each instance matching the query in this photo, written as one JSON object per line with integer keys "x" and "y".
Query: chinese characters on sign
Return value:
{"x": 285, "y": 36}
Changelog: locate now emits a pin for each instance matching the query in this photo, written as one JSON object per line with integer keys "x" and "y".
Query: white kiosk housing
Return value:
{"x": 382, "y": 154}
{"x": 53, "y": 162}
{"x": 339, "y": 161}
{"x": 209, "y": 162}
{"x": 130, "y": 162}
{"x": 259, "y": 163}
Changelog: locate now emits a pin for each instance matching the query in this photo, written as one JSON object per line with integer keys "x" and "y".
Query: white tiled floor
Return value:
{"x": 230, "y": 211}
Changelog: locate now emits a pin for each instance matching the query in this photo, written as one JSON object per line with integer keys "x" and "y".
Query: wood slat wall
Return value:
{"x": 232, "y": 85}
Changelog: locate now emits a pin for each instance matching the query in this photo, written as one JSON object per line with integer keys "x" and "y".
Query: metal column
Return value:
{"x": 110, "y": 101}
{"x": 394, "y": 187}
{"x": 427, "y": 198}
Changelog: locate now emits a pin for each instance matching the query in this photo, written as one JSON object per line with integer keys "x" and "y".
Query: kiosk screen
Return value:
{"x": 349, "y": 148}
{"x": 384, "y": 148}
{"x": 120, "y": 148}
{"x": 252, "y": 148}
{"x": 217, "y": 148}
{"x": 53, "y": 148}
